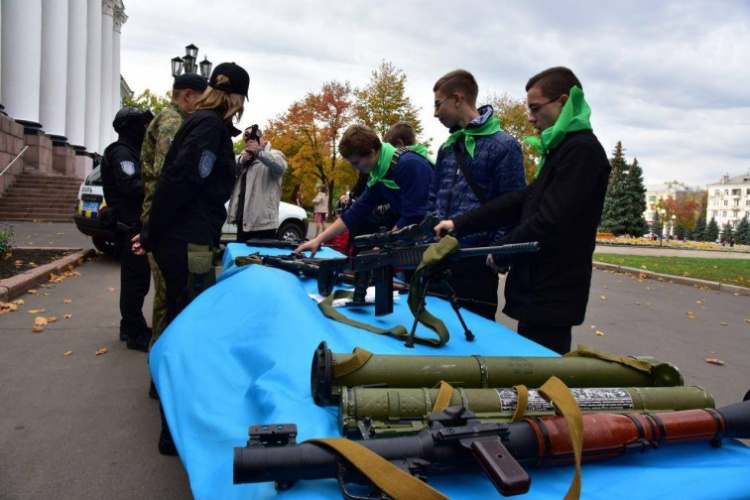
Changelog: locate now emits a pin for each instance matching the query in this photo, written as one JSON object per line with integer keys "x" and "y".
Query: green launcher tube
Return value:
{"x": 372, "y": 412}
{"x": 332, "y": 371}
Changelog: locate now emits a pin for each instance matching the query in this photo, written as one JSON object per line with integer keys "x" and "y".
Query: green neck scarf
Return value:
{"x": 489, "y": 127}
{"x": 573, "y": 117}
{"x": 377, "y": 174}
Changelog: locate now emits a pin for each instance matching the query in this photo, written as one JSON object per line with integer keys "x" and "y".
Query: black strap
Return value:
{"x": 467, "y": 174}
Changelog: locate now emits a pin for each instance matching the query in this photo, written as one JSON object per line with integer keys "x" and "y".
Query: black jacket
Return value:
{"x": 121, "y": 180}
{"x": 195, "y": 183}
{"x": 561, "y": 210}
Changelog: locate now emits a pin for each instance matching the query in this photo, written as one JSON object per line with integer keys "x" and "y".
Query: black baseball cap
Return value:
{"x": 190, "y": 81}
{"x": 239, "y": 80}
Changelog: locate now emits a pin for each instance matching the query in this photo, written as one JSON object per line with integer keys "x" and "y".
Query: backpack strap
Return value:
{"x": 467, "y": 175}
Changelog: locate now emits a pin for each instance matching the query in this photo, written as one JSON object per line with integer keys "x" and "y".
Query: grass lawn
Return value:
{"x": 729, "y": 271}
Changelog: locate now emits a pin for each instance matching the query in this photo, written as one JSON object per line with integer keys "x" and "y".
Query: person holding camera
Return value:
{"x": 254, "y": 204}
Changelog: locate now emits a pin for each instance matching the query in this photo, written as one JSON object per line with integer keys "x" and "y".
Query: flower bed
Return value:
{"x": 607, "y": 239}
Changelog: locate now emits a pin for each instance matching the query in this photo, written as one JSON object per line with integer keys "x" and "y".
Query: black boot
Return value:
{"x": 152, "y": 392}
{"x": 166, "y": 444}
{"x": 140, "y": 342}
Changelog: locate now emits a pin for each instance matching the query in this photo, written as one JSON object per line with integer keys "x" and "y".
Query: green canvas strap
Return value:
{"x": 555, "y": 391}
{"x": 434, "y": 254}
{"x": 585, "y": 351}
{"x": 326, "y": 307}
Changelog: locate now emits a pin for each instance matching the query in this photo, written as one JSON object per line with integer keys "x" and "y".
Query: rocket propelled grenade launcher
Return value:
{"x": 456, "y": 441}
{"x": 332, "y": 371}
{"x": 371, "y": 412}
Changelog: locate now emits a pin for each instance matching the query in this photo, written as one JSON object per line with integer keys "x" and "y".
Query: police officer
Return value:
{"x": 123, "y": 191}
{"x": 188, "y": 207}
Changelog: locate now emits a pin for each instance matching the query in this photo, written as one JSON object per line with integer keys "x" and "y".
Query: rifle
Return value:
{"x": 407, "y": 235}
{"x": 271, "y": 243}
{"x": 457, "y": 441}
{"x": 328, "y": 272}
{"x": 383, "y": 261}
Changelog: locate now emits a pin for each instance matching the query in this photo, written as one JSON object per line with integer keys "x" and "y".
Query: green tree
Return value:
{"x": 699, "y": 233}
{"x": 383, "y": 101}
{"x": 634, "y": 194}
{"x": 149, "y": 100}
{"x": 727, "y": 233}
{"x": 618, "y": 214}
{"x": 712, "y": 230}
{"x": 513, "y": 115}
{"x": 742, "y": 233}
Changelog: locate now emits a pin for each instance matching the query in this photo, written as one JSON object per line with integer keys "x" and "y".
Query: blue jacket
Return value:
{"x": 497, "y": 168}
{"x": 413, "y": 176}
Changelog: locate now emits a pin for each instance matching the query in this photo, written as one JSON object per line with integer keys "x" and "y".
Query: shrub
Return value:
{"x": 6, "y": 239}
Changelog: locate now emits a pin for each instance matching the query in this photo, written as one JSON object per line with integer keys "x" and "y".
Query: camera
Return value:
{"x": 253, "y": 134}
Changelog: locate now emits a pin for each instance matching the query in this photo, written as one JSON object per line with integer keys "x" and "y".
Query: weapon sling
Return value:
{"x": 434, "y": 254}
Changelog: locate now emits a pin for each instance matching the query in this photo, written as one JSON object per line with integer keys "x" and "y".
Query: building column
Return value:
{"x": 76, "y": 75}
{"x": 120, "y": 18}
{"x": 53, "y": 89}
{"x": 22, "y": 60}
{"x": 93, "y": 74}
{"x": 105, "y": 109}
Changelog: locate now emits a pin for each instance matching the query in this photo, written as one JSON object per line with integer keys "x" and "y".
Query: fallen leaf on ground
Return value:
{"x": 79, "y": 262}
{"x": 747, "y": 320}
{"x": 32, "y": 292}
{"x": 67, "y": 301}
{"x": 111, "y": 288}
{"x": 67, "y": 316}
{"x": 723, "y": 323}
{"x": 20, "y": 302}
{"x": 51, "y": 319}
{"x": 698, "y": 302}
{"x": 637, "y": 302}
{"x": 46, "y": 294}
{"x": 7, "y": 307}
{"x": 36, "y": 311}
{"x": 691, "y": 315}
{"x": 600, "y": 333}
{"x": 710, "y": 352}
{"x": 648, "y": 288}
{"x": 37, "y": 329}
{"x": 101, "y": 351}
{"x": 40, "y": 320}
{"x": 715, "y": 361}
{"x": 603, "y": 297}
{"x": 67, "y": 353}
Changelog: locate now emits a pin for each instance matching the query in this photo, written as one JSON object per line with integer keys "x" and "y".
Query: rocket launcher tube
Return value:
{"x": 369, "y": 412}
{"x": 481, "y": 372}
{"x": 447, "y": 445}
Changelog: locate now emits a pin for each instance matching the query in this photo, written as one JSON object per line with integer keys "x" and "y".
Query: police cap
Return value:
{"x": 239, "y": 80}
{"x": 190, "y": 81}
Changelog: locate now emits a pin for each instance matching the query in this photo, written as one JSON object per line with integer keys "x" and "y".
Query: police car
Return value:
{"x": 293, "y": 220}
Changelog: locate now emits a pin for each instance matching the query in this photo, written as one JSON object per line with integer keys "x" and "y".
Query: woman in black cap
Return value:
{"x": 188, "y": 207}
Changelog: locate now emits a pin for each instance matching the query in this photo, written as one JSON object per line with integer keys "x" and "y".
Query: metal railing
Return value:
{"x": 14, "y": 160}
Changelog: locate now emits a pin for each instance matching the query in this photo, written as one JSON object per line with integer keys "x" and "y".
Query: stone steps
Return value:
{"x": 40, "y": 197}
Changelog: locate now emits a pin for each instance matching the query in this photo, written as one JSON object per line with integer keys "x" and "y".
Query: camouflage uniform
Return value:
{"x": 158, "y": 139}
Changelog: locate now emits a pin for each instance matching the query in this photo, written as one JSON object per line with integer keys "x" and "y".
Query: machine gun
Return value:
{"x": 383, "y": 261}
{"x": 457, "y": 441}
{"x": 271, "y": 243}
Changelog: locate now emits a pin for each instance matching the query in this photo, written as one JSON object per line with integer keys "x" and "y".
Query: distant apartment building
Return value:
{"x": 729, "y": 200}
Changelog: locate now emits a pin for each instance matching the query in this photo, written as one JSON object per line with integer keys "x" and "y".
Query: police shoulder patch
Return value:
{"x": 127, "y": 167}
{"x": 206, "y": 165}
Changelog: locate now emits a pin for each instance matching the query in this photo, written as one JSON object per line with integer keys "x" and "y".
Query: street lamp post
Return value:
{"x": 188, "y": 64}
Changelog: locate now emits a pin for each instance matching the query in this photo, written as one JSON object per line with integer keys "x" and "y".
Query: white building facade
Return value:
{"x": 60, "y": 76}
{"x": 729, "y": 200}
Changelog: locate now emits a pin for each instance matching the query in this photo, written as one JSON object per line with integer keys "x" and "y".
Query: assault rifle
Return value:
{"x": 328, "y": 272}
{"x": 407, "y": 235}
{"x": 457, "y": 441}
{"x": 271, "y": 243}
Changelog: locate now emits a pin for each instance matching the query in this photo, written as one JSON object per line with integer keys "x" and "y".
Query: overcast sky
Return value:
{"x": 670, "y": 79}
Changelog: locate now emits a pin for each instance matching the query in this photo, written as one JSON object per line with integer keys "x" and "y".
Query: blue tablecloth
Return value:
{"x": 240, "y": 355}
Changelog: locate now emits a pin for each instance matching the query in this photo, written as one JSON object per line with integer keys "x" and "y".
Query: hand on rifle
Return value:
{"x": 443, "y": 228}
{"x": 313, "y": 245}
